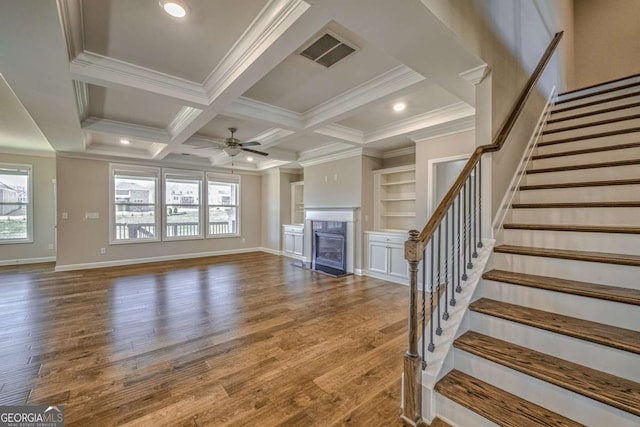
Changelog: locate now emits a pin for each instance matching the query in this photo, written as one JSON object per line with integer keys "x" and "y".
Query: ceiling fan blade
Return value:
{"x": 261, "y": 153}
{"x": 250, "y": 144}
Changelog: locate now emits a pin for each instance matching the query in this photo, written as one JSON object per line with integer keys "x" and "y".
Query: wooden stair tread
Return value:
{"x": 595, "y": 112}
{"x": 592, "y": 103}
{"x": 610, "y": 336}
{"x": 630, "y": 204}
{"x": 577, "y": 228}
{"x": 616, "y": 163}
{"x": 585, "y": 289}
{"x": 602, "y": 257}
{"x": 587, "y": 151}
{"x": 600, "y": 92}
{"x": 619, "y": 79}
{"x": 590, "y": 136}
{"x": 580, "y": 184}
{"x": 592, "y": 123}
{"x": 606, "y": 388}
{"x": 495, "y": 404}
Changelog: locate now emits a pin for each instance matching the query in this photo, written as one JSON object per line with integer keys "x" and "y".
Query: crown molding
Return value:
{"x": 342, "y": 133}
{"x": 185, "y": 116}
{"x": 387, "y": 83}
{"x": 332, "y": 157}
{"x": 274, "y": 19}
{"x": 475, "y": 75}
{"x": 25, "y": 152}
{"x": 321, "y": 151}
{"x": 426, "y": 120}
{"x": 246, "y": 108}
{"x": 133, "y": 131}
{"x": 105, "y": 71}
{"x": 399, "y": 152}
{"x": 70, "y": 15}
{"x": 271, "y": 136}
{"x": 81, "y": 91}
{"x": 456, "y": 126}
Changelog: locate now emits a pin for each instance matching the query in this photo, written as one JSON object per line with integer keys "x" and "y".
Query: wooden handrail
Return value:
{"x": 497, "y": 143}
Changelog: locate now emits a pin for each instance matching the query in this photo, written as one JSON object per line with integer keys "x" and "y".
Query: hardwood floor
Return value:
{"x": 232, "y": 340}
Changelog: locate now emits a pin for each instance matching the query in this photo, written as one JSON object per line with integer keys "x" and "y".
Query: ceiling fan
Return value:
{"x": 233, "y": 146}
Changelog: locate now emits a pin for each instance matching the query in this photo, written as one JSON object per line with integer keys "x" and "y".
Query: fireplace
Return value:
{"x": 329, "y": 247}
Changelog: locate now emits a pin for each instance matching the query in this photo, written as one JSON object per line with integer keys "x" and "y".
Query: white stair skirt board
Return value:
{"x": 590, "y": 130}
{"x": 620, "y": 217}
{"x": 594, "y": 117}
{"x": 564, "y": 402}
{"x": 587, "y": 158}
{"x": 598, "y": 88}
{"x": 628, "y": 244}
{"x": 601, "y": 97}
{"x": 617, "y": 314}
{"x": 457, "y": 415}
{"x": 593, "y": 272}
{"x": 450, "y": 328}
{"x": 623, "y": 138}
{"x": 591, "y": 174}
{"x": 606, "y": 359}
{"x": 608, "y": 193}
{"x": 597, "y": 107}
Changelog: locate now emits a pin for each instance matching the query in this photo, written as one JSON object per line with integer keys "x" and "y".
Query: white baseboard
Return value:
{"x": 270, "y": 251}
{"x": 116, "y": 263}
{"x": 27, "y": 261}
{"x": 358, "y": 272}
{"x": 386, "y": 277}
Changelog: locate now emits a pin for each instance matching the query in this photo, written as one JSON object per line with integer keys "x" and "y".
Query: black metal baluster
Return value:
{"x": 431, "y": 274}
{"x": 464, "y": 231}
{"x": 460, "y": 264}
{"x": 475, "y": 211}
{"x": 454, "y": 239}
{"x": 469, "y": 221}
{"x": 480, "y": 203}
{"x": 424, "y": 306}
{"x": 445, "y": 315}
{"x": 439, "y": 328}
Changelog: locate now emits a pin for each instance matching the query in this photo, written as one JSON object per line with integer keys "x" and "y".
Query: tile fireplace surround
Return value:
{"x": 347, "y": 215}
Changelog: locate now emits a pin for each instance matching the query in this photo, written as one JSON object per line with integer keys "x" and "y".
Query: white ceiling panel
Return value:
{"x": 219, "y": 128}
{"x": 131, "y": 107}
{"x": 306, "y": 142}
{"x": 140, "y": 32}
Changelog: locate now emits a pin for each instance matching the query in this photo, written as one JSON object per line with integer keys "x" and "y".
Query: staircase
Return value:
{"x": 554, "y": 331}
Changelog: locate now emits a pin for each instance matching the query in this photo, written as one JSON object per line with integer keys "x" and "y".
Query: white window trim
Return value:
{"x": 29, "y": 238}
{"x": 225, "y": 178}
{"x": 144, "y": 171}
{"x": 183, "y": 174}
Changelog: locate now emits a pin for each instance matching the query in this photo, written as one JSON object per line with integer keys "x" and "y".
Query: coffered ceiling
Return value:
{"x": 92, "y": 73}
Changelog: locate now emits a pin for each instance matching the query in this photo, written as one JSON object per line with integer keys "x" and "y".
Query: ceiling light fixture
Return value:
{"x": 232, "y": 151}
{"x": 125, "y": 141}
{"x": 400, "y": 106}
{"x": 175, "y": 8}
{"x": 249, "y": 159}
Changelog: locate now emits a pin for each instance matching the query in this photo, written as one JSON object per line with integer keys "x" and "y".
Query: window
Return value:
{"x": 182, "y": 204}
{"x": 134, "y": 210}
{"x": 222, "y": 205}
{"x": 16, "y": 209}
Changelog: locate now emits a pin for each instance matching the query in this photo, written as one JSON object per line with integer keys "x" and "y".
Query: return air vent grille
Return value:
{"x": 327, "y": 50}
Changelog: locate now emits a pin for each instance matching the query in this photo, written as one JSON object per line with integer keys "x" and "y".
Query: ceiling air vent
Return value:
{"x": 327, "y": 50}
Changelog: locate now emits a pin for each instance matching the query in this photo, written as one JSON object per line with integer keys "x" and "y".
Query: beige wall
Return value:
{"x": 270, "y": 220}
{"x": 607, "y": 40}
{"x": 83, "y": 186}
{"x": 334, "y": 184}
{"x": 44, "y": 172}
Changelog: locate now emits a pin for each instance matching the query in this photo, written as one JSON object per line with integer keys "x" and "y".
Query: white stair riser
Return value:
{"x": 594, "y": 272}
{"x": 622, "y": 217}
{"x": 591, "y": 130}
{"x": 578, "y": 241}
{"x": 608, "y": 193}
{"x": 590, "y": 174}
{"x": 558, "y": 114}
{"x": 571, "y": 405}
{"x": 598, "y": 88}
{"x": 581, "y": 159}
{"x": 589, "y": 143}
{"x": 595, "y": 310}
{"x": 594, "y": 98}
{"x": 606, "y": 359}
{"x": 457, "y": 415}
{"x": 592, "y": 118}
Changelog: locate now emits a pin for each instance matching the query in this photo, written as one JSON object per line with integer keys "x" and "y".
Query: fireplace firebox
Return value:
{"x": 329, "y": 247}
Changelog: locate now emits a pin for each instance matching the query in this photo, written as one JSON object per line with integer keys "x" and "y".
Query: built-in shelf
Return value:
{"x": 297, "y": 202}
{"x": 395, "y": 198}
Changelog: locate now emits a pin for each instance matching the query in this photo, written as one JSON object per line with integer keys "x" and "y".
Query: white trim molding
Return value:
{"x": 444, "y": 129}
{"x": 475, "y": 75}
{"x": 27, "y": 261}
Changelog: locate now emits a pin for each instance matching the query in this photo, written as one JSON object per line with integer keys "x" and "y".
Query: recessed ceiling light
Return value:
{"x": 175, "y": 8}
{"x": 249, "y": 159}
{"x": 399, "y": 106}
{"x": 125, "y": 141}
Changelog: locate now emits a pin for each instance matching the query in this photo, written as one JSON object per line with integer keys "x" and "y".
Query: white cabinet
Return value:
{"x": 297, "y": 202}
{"x": 385, "y": 257}
{"x": 293, "y": 240}
{"x": 395, "y": 198}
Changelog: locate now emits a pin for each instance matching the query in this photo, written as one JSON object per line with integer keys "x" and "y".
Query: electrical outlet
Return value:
{"x": 244, "y": 240}
{"x": 335, "y": 177}
{"x": 51, "y": 246}
{"x": 65, "y": 215}
{"x": 103, "y": 251}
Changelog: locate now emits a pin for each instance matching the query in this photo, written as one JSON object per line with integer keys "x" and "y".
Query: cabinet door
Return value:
{"x": 298, "y": 244}
{"x": 378, "y": 257}
{"x": 398, "y": 266}
{"x": 288, "y": 243}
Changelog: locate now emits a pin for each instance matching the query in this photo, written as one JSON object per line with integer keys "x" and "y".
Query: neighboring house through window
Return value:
{"x": 182, "y": 204}
{"x": 16, "y": 208}
{"x": 223, "y": 206}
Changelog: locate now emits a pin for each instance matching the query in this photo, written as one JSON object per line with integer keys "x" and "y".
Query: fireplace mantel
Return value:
{"x": 340, "y": 214}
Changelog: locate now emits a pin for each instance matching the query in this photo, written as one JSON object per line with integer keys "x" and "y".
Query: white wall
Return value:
{"x": 334, "y": 184}
{"x": 270, "y": 220}
{"x": 44, "y": 172}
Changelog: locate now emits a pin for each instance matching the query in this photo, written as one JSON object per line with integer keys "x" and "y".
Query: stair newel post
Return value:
{"x": 439, "y": 277}
{"x": 445, "y": 314}
{"x": 464, "y": 231}
{"x": 431, "y": 289}
{"x": 412, "y": 381}
{"x": 479, "y": 202}
{"x": 460, "y": 262}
